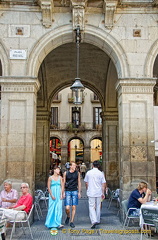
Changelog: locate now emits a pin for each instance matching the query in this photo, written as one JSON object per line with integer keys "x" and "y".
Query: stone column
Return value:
{"x": 64, "y": 154}
{"x": 18, "y": 128}
{"x": 87, "y": 158}
{"x": 136, "y": 130}
{"x": 110, "y": 148}
{"x": 42, "y": 148}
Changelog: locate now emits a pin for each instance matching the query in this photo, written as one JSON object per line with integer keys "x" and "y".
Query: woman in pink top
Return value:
{"x": 8, "y": 196}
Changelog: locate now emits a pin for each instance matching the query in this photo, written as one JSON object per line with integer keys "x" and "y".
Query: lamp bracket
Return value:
{"x": 78, "y": 13}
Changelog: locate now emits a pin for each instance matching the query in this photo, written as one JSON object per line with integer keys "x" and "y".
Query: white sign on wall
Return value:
{"x": 17, "y": 54}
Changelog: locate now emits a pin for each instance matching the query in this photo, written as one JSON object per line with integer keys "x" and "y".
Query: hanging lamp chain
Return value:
{"x": 78, "y": 40}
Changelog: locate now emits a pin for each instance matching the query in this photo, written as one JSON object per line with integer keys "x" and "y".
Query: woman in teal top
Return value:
{"x": 55, "y": 188}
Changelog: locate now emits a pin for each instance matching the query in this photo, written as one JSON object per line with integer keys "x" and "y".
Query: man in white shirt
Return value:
{"x": 95, "y": 185}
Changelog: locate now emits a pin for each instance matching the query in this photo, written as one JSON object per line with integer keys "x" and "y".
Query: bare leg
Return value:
{"x": 73, "y": 212}
{"x": 67, "y": 210}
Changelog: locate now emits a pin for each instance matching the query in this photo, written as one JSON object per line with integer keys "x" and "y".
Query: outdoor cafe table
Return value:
{"x": 149, "y": 212}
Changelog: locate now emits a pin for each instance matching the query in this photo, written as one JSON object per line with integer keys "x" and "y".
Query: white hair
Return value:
{"x": 26, "y": 184}
{"x": 8, "y": 182}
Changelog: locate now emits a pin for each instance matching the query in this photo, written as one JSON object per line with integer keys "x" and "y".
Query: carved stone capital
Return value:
{"x": 47, "y": 7}
{"x": 135, "y": 86}
{"x": 78, "y": 13}
{"x": 109, "y": 9}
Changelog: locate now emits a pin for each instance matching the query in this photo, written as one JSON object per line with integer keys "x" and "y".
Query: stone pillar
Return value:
{"x": 42, "y": 148}
{"x": 18, "y": 128}
{"x": 110, "y": 148}
{"x": 64, "y": 154}
{"x": 136, "y": 130}
{"x": 103, "y": 142}
{"x": 87, "y": 158}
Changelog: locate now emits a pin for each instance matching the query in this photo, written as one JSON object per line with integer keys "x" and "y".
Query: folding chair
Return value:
{"x": 26, "y": 220}
{"x": 42, "y": 196}
{"x": 127, "y": 214}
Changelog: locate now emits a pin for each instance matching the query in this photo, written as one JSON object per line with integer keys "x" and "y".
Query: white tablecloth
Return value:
{"x": 147, "y": 205}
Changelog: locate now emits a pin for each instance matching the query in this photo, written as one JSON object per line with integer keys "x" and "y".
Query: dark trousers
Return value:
{"x": 83, "y": 174}
{"x": 2, "y": 236}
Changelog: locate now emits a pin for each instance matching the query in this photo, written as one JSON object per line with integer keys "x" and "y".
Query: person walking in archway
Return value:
{"x": 95, "y": 185}
{"x": 83, "y": 169}
{"x": 72, "y": 185}
{"x": 55, "y": 189}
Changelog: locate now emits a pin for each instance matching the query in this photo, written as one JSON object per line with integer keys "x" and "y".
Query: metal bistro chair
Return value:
{"x": 37, "y": 206}
{"x": 113, "y": 195}
{"x": 26, "y": 220}
{"x": 42, "y": 196}
{"x": 3, "y": 228}
{"x": 126, "y": 212}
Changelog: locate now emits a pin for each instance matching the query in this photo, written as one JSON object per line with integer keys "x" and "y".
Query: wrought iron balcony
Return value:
{"x": 75, "y": 128}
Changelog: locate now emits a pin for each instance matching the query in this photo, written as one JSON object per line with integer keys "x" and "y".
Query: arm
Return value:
{"x": 62, "y": 187}
{"x": 146, "y": 198}
{"x": 103, "y": 190}
{"x": 86, "y": 183}
{"x": 9, "y": 200}
{"x": 20, "y": 208}
{"x": 14, "y": 197}
{"x": 48, "y": 186}
{"x": 64, "y": 180}
{"x": 79, "y": 185}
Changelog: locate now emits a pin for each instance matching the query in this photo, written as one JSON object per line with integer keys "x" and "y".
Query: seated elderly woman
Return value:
{"x": 8, "y": 196}
{"x": 140, "y": 195}
{"x": 24, "y": 204}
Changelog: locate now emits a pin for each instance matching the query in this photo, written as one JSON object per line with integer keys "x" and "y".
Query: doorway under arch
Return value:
{"x": 96, "y": 149}
{"x": 76, "y": 150}
{"x": 55, "y": 152}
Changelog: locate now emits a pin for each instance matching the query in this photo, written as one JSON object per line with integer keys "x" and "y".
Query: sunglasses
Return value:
{"x": 23, "y": 187}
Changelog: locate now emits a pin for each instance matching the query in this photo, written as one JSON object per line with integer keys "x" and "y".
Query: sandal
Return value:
{"x": 61, "y": 226}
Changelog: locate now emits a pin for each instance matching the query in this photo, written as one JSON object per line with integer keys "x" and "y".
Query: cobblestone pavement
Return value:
{"x": 109, "y": 222}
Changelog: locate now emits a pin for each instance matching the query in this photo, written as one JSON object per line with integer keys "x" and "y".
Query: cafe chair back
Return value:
{"x": 25, "y": 220}
{"x": 2, "y": 226}
{"x": 42, "y": 196}
{"x": 127, "y": 214}
{"x": 113, "y": 195}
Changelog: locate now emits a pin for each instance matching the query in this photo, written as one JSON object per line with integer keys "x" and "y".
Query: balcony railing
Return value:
{"x": 75, "y": 128}
{"x": 54, "y": 127}
{"x": 70, "y": 127}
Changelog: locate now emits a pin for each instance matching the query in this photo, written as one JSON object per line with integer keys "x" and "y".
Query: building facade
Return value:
{"x": 76, "y": 128}
{"x": 118, "y": 62}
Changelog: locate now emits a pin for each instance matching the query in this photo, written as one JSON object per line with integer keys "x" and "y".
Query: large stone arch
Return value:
{"x": 150, "y": 60}
{"x": 64, "y": 34}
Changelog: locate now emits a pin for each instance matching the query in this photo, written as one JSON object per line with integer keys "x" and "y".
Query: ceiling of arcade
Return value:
{"x": 96, "y": 70}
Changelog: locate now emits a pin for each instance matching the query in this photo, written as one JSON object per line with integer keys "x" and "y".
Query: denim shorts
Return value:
{"x": 71, "y": 198}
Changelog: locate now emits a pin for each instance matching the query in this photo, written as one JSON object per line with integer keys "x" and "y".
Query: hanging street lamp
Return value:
{"x": 77, "y": 87}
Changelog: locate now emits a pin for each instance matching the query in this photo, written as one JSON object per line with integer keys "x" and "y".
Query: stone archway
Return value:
{"x": 150, "y": 60}
{"x": 91, "y": 35}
